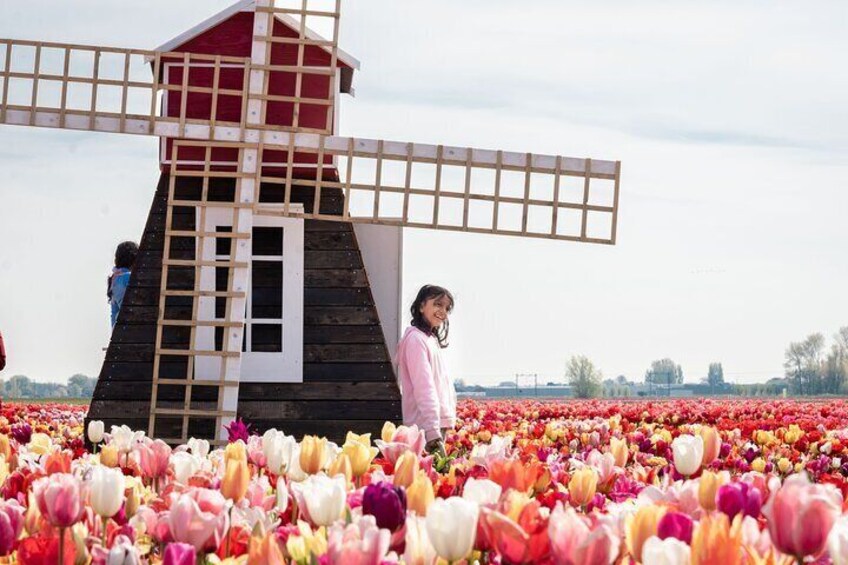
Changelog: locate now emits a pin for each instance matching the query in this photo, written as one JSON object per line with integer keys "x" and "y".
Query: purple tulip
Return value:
{"x": 11, "y": 524}
{"x": 22, "y": 433}
{"x": 675, "y": 525}
{"x": 179, "y": 554}
{"x": 725, "y": 450}
{"x": 734, "y": 498}
{"x": 387, "y": 504}
{"x": 238, "y": 430}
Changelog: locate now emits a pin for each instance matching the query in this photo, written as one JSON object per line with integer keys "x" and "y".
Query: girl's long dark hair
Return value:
{"x": 427, "y": 292}
{"x": 125, "y": 256}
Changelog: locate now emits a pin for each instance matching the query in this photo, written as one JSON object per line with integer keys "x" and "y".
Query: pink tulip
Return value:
{"x": 404, "y": 438}
{"x": 153, "y": 458}
{"x": 122, "y": 552}
{"x": 198, "y": 518}
{"x": 11, "y": 524}
{"x": 360, "y": 543}
{"x": 60, "y": 499}
{"x": 801, "y": 514}
{"x": 179, "y": 554}
{"x": 574, "y": 541}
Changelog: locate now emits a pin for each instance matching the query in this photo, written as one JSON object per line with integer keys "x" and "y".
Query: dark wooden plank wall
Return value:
{"x": 349, "y": 382}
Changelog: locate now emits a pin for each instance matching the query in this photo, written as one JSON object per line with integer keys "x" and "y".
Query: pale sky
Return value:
{"x": 730, "y": 120}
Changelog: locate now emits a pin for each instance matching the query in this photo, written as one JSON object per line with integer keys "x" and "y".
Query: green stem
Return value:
{"x": 105, "y": 521}
{"x": 61, "y": 545}
{"x": 229, "y": 530}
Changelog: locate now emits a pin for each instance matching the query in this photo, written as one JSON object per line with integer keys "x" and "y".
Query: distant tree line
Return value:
{"x": 20, "y": 386}
{"x": 812, "y": 368}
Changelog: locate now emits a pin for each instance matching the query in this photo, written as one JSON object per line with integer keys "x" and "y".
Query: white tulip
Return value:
{"x": 282, "y": 496}
{"x": 452, "y": 527}
{"x": 482, "y": 491}
{"x": 322, "y": 497}
{"x": 95, "y": 431}
{"x": 688, "y": 452}
{"x": 277, "y": 448}
{"x": 670, "y": 551}
{"x": 124, "y": 438}
{"x": 293, "y": 471}
{"x": 199, "y": 447}
{"x": 837, "y": 541}
{"x": 107, "y": 490}
{"x": 185, "y": 466}
{"x": 419, "y": 550}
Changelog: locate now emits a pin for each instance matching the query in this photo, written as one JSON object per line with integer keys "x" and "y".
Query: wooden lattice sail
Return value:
{"x": 251, "y": 295}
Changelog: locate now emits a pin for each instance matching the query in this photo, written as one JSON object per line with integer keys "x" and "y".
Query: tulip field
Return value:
{"x": 578, "y": 482}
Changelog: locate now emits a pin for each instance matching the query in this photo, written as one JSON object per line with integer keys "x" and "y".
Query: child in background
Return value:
{"x": 2, "y": 353}
{"x": 428, "y": 395}
{"x": 118, "y": 281}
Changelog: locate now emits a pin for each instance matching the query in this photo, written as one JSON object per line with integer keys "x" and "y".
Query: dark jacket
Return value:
{"x": 2, "y": 353}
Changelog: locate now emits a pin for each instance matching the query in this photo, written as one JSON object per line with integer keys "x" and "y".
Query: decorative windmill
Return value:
{"x": 267, "y": 283}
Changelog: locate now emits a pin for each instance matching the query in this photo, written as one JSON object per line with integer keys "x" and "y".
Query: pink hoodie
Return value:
{"x": 428, "y": 396}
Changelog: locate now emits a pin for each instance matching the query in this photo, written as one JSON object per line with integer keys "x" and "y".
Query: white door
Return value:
{"x": 272, "y": 341}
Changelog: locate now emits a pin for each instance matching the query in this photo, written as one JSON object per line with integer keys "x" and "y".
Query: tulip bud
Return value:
{"x": 406, "y": 469}
{"x": 109, "y": 456}
{"x": 784, "y": 465}
{"x": 107, "y": 491}
{"x": 341, "y": 466}
{"x": 641, "y": 526}
{"x": 235, "y": 451}
{"x": 420, "y": 494}
{"x": 452, "y": 527}
{"x": 179, "y": 554}
{"x": 312, "y": 454}
{"x": 619, "y": 450}
{"x": 95, "y": 431}
{"x": 133, "y": 501}
{"x": 758, "y": 465}
{"x": 388, "y": 432}
{"x": 688, "y": 453}
{"x": 236, "y": 479}
{"x": 582, "y": 486}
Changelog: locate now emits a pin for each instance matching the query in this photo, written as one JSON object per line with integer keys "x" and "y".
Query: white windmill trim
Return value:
{"x": 250, "y": 6}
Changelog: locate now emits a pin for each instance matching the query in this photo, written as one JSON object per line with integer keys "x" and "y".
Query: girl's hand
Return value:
{"x": 436, "y": 447}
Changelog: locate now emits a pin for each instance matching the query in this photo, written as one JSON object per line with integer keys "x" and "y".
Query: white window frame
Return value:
{"x": 259, "y": 366}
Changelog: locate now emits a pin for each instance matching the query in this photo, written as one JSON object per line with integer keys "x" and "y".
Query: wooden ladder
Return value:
{"x": 232, "y": 325}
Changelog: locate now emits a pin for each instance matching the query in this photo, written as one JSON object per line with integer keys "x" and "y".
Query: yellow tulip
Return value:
{"x": 341, "y": 466}
{"x": 582, "y": 486}
{"x": 758, "y": 465}
{"x": 641, "y": 526}
{"x": 406, "y": 469}
{"x": 40, "y": 444}
{"x": 388, "y": 432}
{"x": 708, "y": 486}
{"x": 109, "y": 456}
{"x": 364, "y": 439}
{"x": 619, "y": 450}
{"x": 784, "y": 465}
{"x": 360, "y": 456}
{"x": 420, "y": 494}
{"x": 235, "y": 451}
{"x": 4, "y": 469}
{"x": 312, "y": 454}
{"x": 715, "y": 540}
{"x": 5, "y": 447}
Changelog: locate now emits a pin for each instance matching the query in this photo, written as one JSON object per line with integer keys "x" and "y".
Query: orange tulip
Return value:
{"x": 5, "y": 447}
{"x": 312, "y": 451}
{"x": 582, "y": 486}
{"x": 236, "y": 472}
{"x": 712, "y": 444}
{"x": 619, "y": 450}
{"x": 265, "y": 550}
{"x": 640, "y": 526}
{"x": 512, "y": 473}
{"x": 715, "y": 540}
{"x": 420, "y": 494}
{"x": 406, "y": 469}
{"x": 58, "y": 462}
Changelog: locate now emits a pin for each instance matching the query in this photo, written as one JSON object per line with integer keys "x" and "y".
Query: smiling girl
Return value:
{"x": 428, "y": 396}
